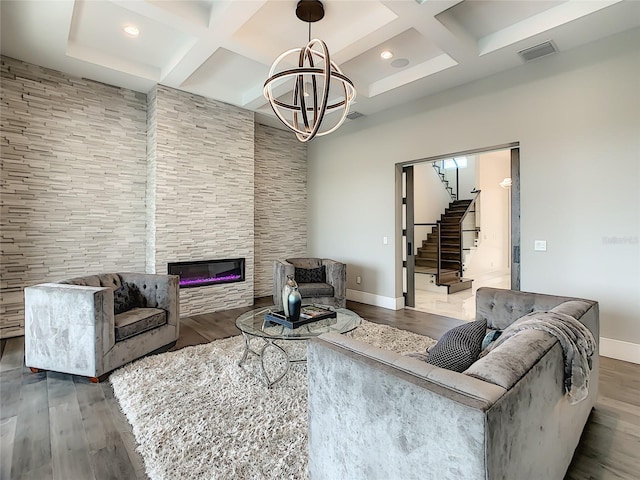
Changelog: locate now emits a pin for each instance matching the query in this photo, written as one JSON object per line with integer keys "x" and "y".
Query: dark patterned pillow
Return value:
{"x": 311, "y": 275}
{"x": 459, "y": 347}
{"x": 126, "y": 297}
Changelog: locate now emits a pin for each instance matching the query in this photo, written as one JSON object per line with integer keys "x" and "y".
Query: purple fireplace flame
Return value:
{"x": 208, "y": 272}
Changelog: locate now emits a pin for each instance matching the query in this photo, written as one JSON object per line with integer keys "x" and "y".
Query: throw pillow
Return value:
{"x": 311, "y": 275}
{"x": 490, "y": 337}
{"x": 126, "y": 297}
{"x": 459, "y": 347}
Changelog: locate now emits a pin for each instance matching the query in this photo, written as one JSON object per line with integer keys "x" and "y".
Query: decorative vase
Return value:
{"x": 286, "y": 290}
{"x": 295, "y": 304}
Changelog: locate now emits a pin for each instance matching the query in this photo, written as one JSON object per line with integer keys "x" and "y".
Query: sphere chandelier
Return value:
{"x": 309, "y": 106}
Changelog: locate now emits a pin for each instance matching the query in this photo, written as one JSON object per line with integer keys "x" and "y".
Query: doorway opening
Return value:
{"x": 460, "y": 228}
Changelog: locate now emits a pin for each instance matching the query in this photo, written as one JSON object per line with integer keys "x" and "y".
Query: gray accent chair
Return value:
{"x": 333, "y": 292}
{"x": 374, "y": 414}
{"x": 71, "y": 326}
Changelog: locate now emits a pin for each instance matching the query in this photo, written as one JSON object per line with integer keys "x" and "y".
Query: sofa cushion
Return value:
{"x": 305, "y": 262}
{"x": 308, "y": 290}
{"x": 507, "y": 363}
{"x": 311, "y": 275}
{"x": 126, "y": 297}
{"x": 138, "y": 320}
{"x": 103, "y": 280}
{"x": 459, "y": 347}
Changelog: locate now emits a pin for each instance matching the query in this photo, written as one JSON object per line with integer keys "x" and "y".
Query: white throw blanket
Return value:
{"x": 577, "y": 344}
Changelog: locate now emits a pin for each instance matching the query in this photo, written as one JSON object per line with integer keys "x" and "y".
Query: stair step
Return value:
{"x": 433, "y": 249}
{"x": 421, "y": 262}
{"x": 434, "y": 270}
{"x": 458, "y": 285}
{"x": 454, "y": 265}
{"x": 449, "y": 275}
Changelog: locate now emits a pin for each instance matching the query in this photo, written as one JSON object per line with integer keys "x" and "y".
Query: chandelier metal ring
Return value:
{"x": 318, "y": 105}
{"x": 295, "y": 73}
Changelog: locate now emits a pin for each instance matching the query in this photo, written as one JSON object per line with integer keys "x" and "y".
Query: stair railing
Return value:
{"x": 469, "y": 209}
{"x": 438, "y": 166}
{"x": 439, "y": 254}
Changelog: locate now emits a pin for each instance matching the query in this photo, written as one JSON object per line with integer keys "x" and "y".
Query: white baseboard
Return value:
{"x": 376, "y": 300}
{"x": 626, "y": 351}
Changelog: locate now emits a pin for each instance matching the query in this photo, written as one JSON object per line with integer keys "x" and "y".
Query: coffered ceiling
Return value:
{"x": 223, "y": 49}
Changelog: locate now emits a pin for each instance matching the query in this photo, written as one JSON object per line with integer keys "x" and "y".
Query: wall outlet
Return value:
{"x": 540, "y": 245}
{"x": 358, "y": 280}
{"x": 385, "y": 240}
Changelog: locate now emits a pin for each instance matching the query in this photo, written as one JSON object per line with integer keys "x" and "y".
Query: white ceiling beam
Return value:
{"x": 542, "y": 22}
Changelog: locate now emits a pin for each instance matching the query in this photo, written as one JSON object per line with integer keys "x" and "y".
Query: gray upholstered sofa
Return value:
{"x": 71, "y": 326}
{"x": 374, "y": 414}
{"x": 333, "y": 291}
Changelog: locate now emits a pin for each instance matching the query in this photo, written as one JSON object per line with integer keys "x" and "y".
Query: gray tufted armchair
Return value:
{"x": 74, "y": 327}
{"x": 331, "y": 291}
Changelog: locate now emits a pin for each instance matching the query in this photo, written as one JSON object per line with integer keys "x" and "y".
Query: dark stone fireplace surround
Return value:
{"x": 208, "y": 272}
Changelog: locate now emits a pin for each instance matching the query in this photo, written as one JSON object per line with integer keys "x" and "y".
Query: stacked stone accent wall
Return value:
{"x": 96, "y": 178}
{"x": 281, "y": 202}
{"x": 152, "y": 140}
{"x": 72, "y": 186}
{"x": 204, "y": 192}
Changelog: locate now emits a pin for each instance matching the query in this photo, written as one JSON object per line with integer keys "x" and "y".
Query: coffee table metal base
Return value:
{"x": 260, "y": 353}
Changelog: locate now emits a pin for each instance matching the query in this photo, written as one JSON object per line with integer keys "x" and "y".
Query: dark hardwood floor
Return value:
{"x": 60, "y": 426}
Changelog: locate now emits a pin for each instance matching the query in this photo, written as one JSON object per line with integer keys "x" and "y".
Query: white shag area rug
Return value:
{"x": 197, "y": 415}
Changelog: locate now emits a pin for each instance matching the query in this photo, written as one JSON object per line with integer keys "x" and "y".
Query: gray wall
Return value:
{"x": 280, "y": 202}
{"x": 577, "y": 117}
{"x": 97, "y": 178}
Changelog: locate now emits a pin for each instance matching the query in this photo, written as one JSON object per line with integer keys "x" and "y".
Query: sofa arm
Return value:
{"x": 390, "y": 420}
{"x": 281, "y": 268}
{"x": 337, "y": 277}
{"x": 160, "y": 291}
{"x": 68, "y": 327}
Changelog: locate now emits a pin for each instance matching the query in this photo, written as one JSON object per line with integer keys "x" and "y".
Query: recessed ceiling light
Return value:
{"x": 131, "y": 30}
{"x": 386, "y": 54}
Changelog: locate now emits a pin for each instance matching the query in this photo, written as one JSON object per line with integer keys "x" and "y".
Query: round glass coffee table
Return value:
{"x": 254, "y": 325}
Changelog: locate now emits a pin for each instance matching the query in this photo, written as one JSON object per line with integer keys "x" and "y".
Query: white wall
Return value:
{"x": 492, "y": 254}
{"x": 430, "y": 199}
{"x": 467, "y": 177}
{"x": 576, "y": 115}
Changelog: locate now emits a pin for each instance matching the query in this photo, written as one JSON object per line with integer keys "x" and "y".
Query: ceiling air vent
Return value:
{"x": 538, "y": 51}
{"x": 354, "y": 115}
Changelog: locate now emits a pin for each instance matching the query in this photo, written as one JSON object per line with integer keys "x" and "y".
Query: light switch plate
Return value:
{"x": 540, "y": 245}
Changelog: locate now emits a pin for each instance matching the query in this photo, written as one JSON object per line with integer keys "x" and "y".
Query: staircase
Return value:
{"x": 426, "y": 260}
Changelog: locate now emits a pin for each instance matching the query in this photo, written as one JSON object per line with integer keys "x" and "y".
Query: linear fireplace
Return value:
{"x": 208, "y": 272}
